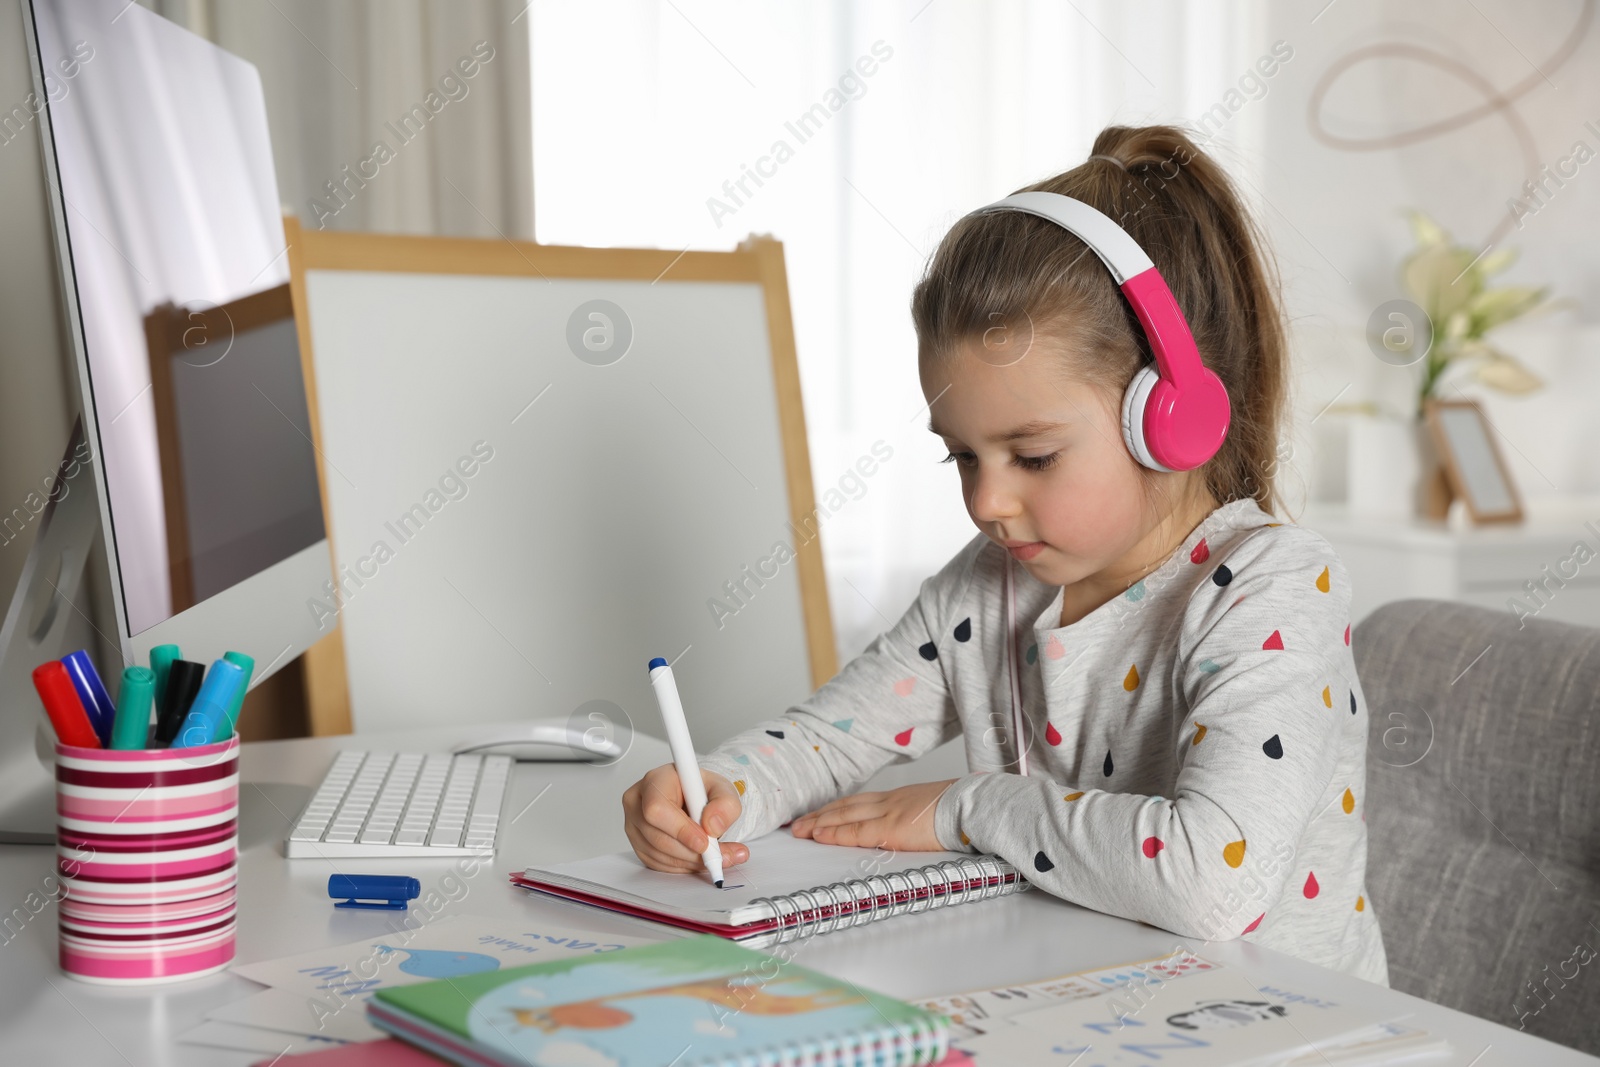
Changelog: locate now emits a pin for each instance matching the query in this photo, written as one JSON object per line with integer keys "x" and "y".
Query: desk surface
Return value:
{"x": 558, "y": 812}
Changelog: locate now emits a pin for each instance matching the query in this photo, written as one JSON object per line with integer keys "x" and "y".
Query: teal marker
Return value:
{"x": 210, "y": 705}
{"x": 134, "y": 701}
{"x": 248, "y": 665}
{"x": 161, "y": 658}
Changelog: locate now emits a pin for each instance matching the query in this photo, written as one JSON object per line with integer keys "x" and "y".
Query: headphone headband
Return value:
{"x": 1175, "y": 414}
{"x": 1119, "y": 252}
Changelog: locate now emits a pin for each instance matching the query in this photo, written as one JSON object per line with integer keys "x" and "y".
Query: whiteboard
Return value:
{"x": 609, "y": 500}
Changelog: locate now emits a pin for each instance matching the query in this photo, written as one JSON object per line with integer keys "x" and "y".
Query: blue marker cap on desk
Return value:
{"x": 386, "y": 891}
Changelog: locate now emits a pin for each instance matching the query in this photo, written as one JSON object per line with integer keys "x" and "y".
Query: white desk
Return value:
{"x": 46, "y": 1017}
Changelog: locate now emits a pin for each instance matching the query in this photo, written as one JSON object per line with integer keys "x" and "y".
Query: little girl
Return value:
{"x": 1174, "y": 731}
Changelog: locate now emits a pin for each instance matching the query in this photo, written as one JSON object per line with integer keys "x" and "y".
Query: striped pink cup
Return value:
{"x": 147, "y": 850}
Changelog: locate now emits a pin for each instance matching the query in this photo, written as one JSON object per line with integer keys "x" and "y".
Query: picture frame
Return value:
{"x": 1472, "y": 461}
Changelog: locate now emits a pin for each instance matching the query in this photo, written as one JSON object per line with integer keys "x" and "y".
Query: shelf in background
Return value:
{"x": 1397, "y": 558}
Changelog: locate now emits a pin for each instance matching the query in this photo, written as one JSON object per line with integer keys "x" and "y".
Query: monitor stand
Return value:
{"x": 40, "y": 625}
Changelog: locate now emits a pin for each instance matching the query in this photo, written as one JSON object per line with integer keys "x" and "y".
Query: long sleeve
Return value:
{"x": 890, "y": 704}
{"x": 1256, "y": 710}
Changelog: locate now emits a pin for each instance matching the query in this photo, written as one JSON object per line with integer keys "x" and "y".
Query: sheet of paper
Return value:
{"x": 1387, "y": 1043}
{"x": 779, "y": 864}
{"x": 299, "y": 1014}
{"x": 1209, "y": 1019}
{"x": 443, "y": 948}
{"x": 253, "y": 1039}
{"x": 982, "y": 1010}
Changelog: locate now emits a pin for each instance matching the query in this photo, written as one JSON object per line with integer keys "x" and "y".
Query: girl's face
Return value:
{"x": 1044, "y": 471}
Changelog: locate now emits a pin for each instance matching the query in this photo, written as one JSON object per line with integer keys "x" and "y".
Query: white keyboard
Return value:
{"x": 379, "y": 804}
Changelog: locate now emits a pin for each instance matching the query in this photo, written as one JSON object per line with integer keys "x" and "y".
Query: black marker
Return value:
{"x": 183, "y": 682}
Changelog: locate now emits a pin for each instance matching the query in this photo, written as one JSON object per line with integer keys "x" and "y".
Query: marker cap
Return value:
{"x": 248, "y": 665}
{"x": 97, "y": 703}
{"x": 134, "y": 701}
{"x": 161, "y": 658}
{"x": 210, "y": 708}
{"x": 387, "y": 891}
{"x": 62, "y": 705}
{"x": 183, "y": 682}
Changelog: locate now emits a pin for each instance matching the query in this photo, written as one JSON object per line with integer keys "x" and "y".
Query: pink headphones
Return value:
{"x": 1175, "y": 413}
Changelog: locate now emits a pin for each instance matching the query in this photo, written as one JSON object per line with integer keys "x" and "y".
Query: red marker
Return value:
{"x": 61, "y": 703}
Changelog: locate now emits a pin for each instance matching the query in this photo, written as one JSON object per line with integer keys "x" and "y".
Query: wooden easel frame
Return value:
{"x": 758, "y": 259}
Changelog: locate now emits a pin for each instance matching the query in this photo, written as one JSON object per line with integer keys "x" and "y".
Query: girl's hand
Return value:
{"x": 661, "y": 832}
{"x": 901, "y": 819}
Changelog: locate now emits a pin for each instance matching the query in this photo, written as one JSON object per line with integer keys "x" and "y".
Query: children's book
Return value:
{"x": 695, "y": 1001}
{"x": 790, "y": 887}
{"x": 1205, "y": 1017}
{"x": 982, "y": 1011}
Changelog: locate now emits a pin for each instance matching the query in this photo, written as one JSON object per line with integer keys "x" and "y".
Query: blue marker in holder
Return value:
{"x": 97, "y": 703}
{"x": 210, "y": 707}
{"x": 387, "y": 892}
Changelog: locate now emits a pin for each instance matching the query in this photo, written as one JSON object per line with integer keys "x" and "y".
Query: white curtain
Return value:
{"x": 648, "y": 113}
{"x": 343, "y": 76}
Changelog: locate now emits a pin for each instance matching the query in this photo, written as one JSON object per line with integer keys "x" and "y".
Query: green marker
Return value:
{"x": 225, "y": 725}
{"x": 161, "y": 658}
{"x": 134, "y": 701}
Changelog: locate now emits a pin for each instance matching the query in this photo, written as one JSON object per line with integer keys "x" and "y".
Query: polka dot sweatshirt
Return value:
{"x": 1196, "y": 747}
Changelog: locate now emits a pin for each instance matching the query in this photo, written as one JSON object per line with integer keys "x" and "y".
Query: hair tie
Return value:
{"x": 1112, "y": 159}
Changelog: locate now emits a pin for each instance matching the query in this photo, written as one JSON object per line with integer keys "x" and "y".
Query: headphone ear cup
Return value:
{"x": 1133, "y": 405}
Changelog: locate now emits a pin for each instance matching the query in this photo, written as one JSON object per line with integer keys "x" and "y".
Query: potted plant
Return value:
{"x": 1450, "y": 282}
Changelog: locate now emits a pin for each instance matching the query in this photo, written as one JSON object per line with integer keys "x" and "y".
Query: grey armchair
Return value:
{"x": 1483, "y": 802}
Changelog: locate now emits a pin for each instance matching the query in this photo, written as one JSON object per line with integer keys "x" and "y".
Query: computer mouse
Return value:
{"x": 545, "y": 742}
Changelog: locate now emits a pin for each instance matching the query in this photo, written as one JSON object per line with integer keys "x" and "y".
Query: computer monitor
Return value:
{"x": 195, "y": 445}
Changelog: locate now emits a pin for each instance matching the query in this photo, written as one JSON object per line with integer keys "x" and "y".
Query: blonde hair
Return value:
{"x": 1182, "y": 209}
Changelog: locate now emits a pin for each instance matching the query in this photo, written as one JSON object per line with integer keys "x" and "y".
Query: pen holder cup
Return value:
{"x": 148, "y": 857}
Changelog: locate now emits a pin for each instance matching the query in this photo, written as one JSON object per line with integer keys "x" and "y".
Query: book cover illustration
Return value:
{"x": 685, "y": 1001}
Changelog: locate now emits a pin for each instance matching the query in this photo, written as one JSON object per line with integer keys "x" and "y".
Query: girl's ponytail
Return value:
{"x": 1183, "y": 210}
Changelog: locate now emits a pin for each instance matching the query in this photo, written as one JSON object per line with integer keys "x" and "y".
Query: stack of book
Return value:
{"x": 697, "y": 1001}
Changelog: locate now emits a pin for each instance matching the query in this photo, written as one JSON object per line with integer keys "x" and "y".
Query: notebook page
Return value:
{"x": 779, "y": 864}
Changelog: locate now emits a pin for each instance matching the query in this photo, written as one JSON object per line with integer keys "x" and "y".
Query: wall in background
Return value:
{"x": 1337, "y": 215}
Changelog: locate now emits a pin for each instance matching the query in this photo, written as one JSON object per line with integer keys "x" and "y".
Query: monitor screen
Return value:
{"x": 176, "y": 248}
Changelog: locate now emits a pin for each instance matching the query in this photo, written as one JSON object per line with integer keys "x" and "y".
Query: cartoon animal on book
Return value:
{"x": 736, "y": 994}
{"x": 1226, "y": 1015}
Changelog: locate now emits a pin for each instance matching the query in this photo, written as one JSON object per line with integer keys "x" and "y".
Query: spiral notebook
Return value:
{"x": 698, "y": 1001}
{"x": 789, "y": 888}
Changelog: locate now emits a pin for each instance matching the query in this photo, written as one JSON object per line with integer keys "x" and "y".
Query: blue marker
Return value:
{"x": 97, "y": 702}
{"x": 231, "y": 719}
{"x": 210, "y": 707}
{"x": 387, "y": 891}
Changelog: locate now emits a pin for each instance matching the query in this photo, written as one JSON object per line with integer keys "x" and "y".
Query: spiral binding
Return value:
{"x": 925, "y": 1041}
{"x": 858, "y": 901}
